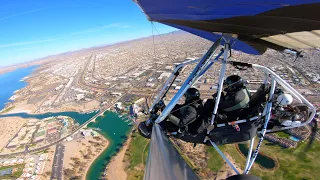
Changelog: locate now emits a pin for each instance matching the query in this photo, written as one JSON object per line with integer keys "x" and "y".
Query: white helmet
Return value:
{"x": 284, "y": 99}
{"x": 296, "y": 123}
{"x": 286, "y": 123}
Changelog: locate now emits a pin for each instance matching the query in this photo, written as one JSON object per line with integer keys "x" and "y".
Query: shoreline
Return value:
{"x": 10, "y": 101}
{"x": 97, "y": 156}
{"x": 76, "y": 153}
{"x": 260, "y": 166}
{"x": 28, "y": 111}
{"x": 116, "y": 167}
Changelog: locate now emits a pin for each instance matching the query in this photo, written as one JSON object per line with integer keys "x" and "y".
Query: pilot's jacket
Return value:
{"x": 182, "y": 116}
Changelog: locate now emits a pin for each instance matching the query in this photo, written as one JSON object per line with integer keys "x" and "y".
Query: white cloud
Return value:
{"x": 25, "y": 43}
{"x": 54, "y": 38}
{"x": 113, "y": 25}
{"x": 19, "y": 14}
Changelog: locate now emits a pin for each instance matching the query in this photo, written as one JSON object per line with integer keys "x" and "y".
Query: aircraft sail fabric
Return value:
{"x": 278, "y": 24}
{"x": 164, "y": 161}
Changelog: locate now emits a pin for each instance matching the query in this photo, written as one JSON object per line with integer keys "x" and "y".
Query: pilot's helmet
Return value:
{"x": 233, "y": 83}
{"x": 192, "y": 94}
{"x": 284, "y": 99}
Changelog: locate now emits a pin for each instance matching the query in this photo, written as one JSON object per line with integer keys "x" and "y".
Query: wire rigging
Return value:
{"x": 162, "y": 40}
{"x": 154, "y": 49}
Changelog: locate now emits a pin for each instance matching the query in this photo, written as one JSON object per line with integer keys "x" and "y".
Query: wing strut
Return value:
{"x": 164, "y": 161}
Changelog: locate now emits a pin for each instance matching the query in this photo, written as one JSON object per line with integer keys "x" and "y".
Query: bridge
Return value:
{"x": 26, "y": 151}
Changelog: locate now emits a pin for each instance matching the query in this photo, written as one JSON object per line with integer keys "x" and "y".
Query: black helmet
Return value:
{"x": 192, "y": 94}
{"x": 233, "y": 83}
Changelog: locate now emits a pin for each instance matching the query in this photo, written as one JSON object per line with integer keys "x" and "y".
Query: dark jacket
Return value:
{"x": 184, "y": 115}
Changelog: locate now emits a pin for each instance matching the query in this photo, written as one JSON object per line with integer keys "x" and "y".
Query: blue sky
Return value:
{"x": 35, "y": 29}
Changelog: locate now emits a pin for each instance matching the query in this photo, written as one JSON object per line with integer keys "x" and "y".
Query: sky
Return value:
{"x": 33, "y": 29}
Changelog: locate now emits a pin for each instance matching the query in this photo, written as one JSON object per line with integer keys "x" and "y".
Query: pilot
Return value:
{"x": 236, "y": 95}
{"x": 181, "y": 116}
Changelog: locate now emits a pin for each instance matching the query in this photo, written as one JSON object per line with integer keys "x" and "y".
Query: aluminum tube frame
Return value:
{"x": 249, "y": 154}
{"x": 224, "y": 157}
{"x": 284, "y": 84}
{"x": 292, "y": 91}
{"x": 208, "y": 67}
{"x": 267, "y": 114}
{"x": 172, "y": 77}
{"x": 189, "y": 81}
{"x": 164, "y": 88}
{"x": 216, "y": 59}
{"x": 221, "y": 79}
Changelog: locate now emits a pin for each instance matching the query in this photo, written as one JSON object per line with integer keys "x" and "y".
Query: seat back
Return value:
{"x": 259, "y": 96}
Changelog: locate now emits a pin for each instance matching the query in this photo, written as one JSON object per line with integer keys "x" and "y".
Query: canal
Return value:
{"x": 113, "y": 127}
{"x": 115, "y": 130}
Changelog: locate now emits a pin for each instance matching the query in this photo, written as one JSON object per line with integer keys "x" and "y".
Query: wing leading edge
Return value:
{"x": 257, "y": 25}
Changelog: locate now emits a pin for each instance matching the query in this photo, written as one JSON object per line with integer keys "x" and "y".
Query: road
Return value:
{"x": 58, "y": 162}
{"x": 61, "y": 139}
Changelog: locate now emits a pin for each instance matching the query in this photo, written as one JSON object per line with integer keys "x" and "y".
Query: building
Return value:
{"x": 51, "y": 131}
{"x": 118, "y": 105}
{"x": 80, "y": 97}
{"x": 116, "y": 94}
{"x": 150, "y": 84}
{"x": 86, "y": 132}
{"x": 164, "y": 75}
{"x": 59, "y": 87}
{"x": 94, "y": 133}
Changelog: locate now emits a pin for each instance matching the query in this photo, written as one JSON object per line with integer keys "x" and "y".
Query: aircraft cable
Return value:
{"x": 154, "y": 49}
{"x": 162, "y": 40}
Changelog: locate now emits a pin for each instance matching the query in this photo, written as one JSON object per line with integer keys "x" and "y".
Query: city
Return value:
{"x": 94, "y": 80}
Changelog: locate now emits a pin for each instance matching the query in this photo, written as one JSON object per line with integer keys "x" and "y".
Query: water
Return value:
{"x": 10, "y": 82}
{"x": 115, "y": 130}
{"x": 262, "y": 160}
{"x": 78, "y": 117}
{"x": 112, "y": 126}
{"x": 294, "y": 138}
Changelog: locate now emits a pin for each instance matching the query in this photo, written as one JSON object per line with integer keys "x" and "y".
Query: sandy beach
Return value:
{"x": 97, "y": 155}
{"x": 81, "y": 153}
{"x": 116, "y": 167}
{"x": 20, "y": 107}
{"x": 9, "y": 127}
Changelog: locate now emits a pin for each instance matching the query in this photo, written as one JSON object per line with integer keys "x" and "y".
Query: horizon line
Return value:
{"x": 84, "y": 48}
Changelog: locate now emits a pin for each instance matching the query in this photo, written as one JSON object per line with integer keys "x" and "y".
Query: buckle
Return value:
{"x": 235, "y": 125}
{"x": 206, "y": 139}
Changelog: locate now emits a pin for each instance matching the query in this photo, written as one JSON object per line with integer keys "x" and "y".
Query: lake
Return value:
{"x": 262, "y": 160}
{"x": 10, "y": 82}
